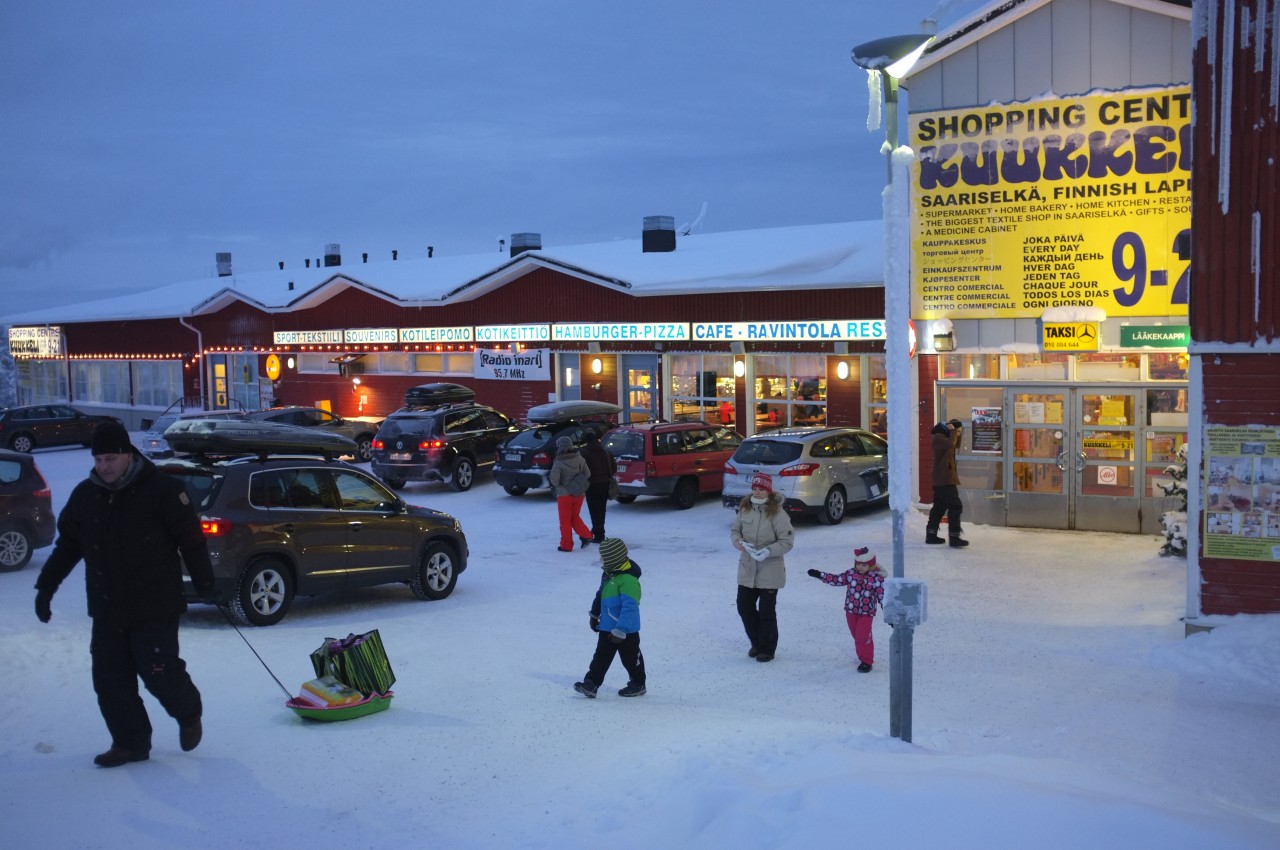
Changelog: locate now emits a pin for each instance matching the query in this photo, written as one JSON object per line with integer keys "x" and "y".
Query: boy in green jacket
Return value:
{"x": 615, "y": 617}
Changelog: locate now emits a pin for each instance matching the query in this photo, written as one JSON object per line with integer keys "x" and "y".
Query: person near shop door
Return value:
{"x": 129, "y": 522}
{"x": 569, "y": 478}
{"x": 762, "y": 534}
{"x": 946, "y": 484}
{"x": 603, "y": 468}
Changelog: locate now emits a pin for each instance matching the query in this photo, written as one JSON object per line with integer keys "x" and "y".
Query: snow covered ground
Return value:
{"x": 1056, "y": 705}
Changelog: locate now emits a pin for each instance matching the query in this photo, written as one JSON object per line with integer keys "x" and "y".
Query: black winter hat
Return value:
{"x": 110, "y": 438}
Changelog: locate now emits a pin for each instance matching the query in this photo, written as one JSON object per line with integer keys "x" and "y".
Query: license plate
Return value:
{"x": 401, "y": 455}
{"x": 622, "y": 467}
{"x": 511, "y": 457}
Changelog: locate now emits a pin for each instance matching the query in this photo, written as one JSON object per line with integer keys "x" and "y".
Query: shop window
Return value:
{"x": 1038, "y": 366}
{"x": 157, "y": 383}
{"x": 790, "y": 390}
{"x": 100, "y": 381}
{"x": 1108, "y": 367}
{"x": 702, "y": 388}
{"x": 1167, "y": 367}
{"x": 1167, "y": 407}
{"x": 41, "y": 381}
{"x": 969, "y": 367}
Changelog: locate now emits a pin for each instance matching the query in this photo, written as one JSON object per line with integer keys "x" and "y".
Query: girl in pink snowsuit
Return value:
{"x": 865, "y": 583}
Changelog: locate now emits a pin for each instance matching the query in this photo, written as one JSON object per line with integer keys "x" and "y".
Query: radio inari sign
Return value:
{"x": 1053, "y": 203}
{"x": 528, "y": 365}
{"x": 817, "y": 331}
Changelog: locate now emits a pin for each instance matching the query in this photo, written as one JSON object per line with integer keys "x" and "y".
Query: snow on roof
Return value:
{"x": 821, "y": 256}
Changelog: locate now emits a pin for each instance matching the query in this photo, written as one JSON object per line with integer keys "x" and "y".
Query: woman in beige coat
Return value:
{"x": 762, "y": 534}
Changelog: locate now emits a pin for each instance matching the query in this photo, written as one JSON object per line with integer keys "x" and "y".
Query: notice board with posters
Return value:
{"x": 1058, "y": 202}
{"x": 1242, "y": 493}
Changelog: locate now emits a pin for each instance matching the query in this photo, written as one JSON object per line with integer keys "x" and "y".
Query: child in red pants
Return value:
{"x": 865, "y": 583}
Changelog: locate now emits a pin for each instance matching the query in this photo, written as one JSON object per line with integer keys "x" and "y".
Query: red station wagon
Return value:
{"x": 681, "y": 460}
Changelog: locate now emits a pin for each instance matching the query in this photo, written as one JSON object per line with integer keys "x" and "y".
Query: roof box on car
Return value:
{"x": 563, "y": 411}
{"x": 432, "y": 395}
{"x": 250, "y": 436}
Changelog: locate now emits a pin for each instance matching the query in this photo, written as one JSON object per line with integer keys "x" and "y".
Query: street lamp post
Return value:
{"x": 890, "y": 58}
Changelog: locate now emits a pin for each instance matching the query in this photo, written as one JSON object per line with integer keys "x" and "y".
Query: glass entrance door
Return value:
{"x": 1074, "y": 464}
{"x": 639, "y": 396}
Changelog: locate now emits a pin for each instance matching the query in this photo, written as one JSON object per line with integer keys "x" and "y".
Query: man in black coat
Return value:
{"x": 128, "y": 522}
{"x": 603, "y": 468}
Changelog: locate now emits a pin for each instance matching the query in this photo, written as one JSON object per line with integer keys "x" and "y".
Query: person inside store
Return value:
{"x": 130, "y": 523}
{"x": 946, "y": 484}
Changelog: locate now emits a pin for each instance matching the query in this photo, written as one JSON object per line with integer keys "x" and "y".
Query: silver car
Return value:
{"x": 818, "y": 471}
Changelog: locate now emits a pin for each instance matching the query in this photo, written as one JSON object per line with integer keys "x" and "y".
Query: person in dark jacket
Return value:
{"x": 946, "y": 484}
{"x": 128, "y": 522}
{"x": 615, "y": 618}
{"x": 603, "y": 468}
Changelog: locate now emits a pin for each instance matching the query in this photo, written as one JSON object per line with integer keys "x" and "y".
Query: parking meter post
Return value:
{"x": 905, "y": 607}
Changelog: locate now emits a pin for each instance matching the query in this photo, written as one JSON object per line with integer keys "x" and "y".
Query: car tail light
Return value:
{"x": 800, "y": 470}
{"x": 540, "y": 459}
{"x": 378, "y": 445}
{"x": 428, "y": 445}
{"x": 46, "y": 493}
{"x": 214, "y": 527}
{"x": 651, "y": 469}
{"x": 730, "y": 469}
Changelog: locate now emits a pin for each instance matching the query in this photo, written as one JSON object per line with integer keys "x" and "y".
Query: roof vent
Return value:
{"x": 521, "y": 242}
{"x": 659, "y": 234}
{"x": 332, "y": 254}
{"x": 223, "y": 259}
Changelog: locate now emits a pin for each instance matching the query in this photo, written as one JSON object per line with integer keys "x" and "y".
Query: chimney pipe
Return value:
{"x": 394, "y": 254}
{"x": 364, "y": 257}
{"x": 430, "y": 249}
{"x": 659, "y": 234}
{"x": 282, "y": 265}
{"x": 308, "y": 262}
{"x": 223, "y": 259}
{"x": 332, "y": 254}
{"x": 521, "y": 242}
{"x": 290, "y": 286}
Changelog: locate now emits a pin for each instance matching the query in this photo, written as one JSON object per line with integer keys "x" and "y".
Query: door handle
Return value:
{"x": 1062, "y": 460}
{"x": 354, "y": 525}
{"x": 1080, "y": 462}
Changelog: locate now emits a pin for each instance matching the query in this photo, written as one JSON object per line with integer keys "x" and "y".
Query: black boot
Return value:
{"x": 957, "y": 541}
{"x": 931, "y": 536}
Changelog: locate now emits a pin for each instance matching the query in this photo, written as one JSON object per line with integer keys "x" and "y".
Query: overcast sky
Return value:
{"x": 139, "y": 139}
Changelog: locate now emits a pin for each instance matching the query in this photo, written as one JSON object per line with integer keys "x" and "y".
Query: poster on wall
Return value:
{"x": 1242, "y": 493}
{"x": 1080, "y": 201}
{"x": 986, "y": 423}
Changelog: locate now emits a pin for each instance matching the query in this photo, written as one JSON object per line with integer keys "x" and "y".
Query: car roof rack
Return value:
{"x": 425, "y": 408}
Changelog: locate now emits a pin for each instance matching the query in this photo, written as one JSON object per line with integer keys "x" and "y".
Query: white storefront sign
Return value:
{"x": 42, "y": 341}
{"x": 532, "y": 364}
{"x": 513, "y": 333}
{"x": 843, "y": 330}
{"x": 628, "y": 331}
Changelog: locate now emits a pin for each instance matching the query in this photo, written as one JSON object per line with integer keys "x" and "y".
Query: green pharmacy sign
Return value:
{"x": 1155, "y": 336}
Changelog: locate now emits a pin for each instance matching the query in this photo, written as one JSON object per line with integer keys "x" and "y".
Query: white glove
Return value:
{"x": 760, "y": 554}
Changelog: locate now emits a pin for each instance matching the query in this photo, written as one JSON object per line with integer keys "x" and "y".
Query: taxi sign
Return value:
{"x": 1070, "y": 336}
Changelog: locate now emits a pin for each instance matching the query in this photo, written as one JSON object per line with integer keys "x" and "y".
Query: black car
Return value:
{"x": 524, "y": 461}
{"x": 26, "y": 510}
{"x": 40, "y": 425}
{"x": 360, "y": 430}
{"x": 280, "y": 526}
{"x": 442, "y": 443}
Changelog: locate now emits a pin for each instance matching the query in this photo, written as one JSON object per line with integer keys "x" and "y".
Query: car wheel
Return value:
{"x": 464, "y": 474}
{"x": 22, "y": 443}
{"x": 394, "y": 483}
{"x": 833, "y": 507}
{"x": 685, "y": 494}
{"x": 437, "y": 572}
{"x": 626, "y": 500}
{"x": 265, "y": 593}
{"x": 15, "y": 548}
{"x": 515, "y": 490}
{"x": 364, "y": 448}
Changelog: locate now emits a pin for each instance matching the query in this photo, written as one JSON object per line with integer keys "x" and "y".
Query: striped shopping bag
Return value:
{"x": 358, "y": 661}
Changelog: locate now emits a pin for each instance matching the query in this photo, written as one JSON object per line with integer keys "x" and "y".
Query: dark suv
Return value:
{"x": 279, "y": 526}
{"x": 681, "y": 460}
{"x": 524, "y": 461}
{"x": 443, "y": 443}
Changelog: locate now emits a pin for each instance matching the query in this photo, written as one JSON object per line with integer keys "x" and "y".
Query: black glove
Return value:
{"x": 595, "y": 623}
{"x": 815, "y": 573}
{"x": 617, "y": 636}
{"x": 43, "y": 611}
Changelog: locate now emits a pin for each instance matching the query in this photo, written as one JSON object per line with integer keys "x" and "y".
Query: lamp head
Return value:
{"x": 894, "y": 55}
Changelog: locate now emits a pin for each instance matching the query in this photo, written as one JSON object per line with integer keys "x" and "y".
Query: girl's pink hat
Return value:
{"x": 865, "y": 556}
{"x": 763, "y": 481}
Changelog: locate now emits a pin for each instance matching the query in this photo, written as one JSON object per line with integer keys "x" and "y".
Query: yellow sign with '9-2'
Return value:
{"x": 1072, "y": 202}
